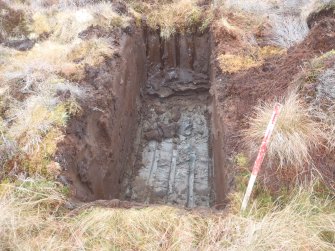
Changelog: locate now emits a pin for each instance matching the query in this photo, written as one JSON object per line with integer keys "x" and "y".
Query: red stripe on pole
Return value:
{"x": 266, "y": 139}
{"x": 261, "y": 154}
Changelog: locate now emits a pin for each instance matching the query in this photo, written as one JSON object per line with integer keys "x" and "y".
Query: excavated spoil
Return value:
{"x": 161, "y": 124}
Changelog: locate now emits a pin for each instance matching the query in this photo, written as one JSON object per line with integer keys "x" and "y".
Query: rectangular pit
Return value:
{"x": 157, "y": 135}
{"x": 173, "y": 164}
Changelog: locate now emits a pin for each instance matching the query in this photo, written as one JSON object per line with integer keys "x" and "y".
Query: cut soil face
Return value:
{"x": 173, "y": 164}
{"x": 162, "y": 151}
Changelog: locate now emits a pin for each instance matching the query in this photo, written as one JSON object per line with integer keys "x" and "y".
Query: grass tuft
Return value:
{"x": 295, "y": 135}
{"x": 287, "y": 30}
{"x": 178, "y": 16}
{"x": 64, "y": 25}
{"x": 232, "y": 63}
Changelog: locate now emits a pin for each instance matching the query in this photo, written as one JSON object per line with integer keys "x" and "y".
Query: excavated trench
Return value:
{"x": 173, "y": 163}
{"x": 154, "y": 144}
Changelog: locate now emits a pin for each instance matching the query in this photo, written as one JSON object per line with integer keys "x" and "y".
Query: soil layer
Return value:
{"x": 95, "y": 151}
{"x": 145, "y": 135}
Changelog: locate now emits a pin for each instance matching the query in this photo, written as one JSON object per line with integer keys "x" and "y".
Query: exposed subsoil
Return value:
{"x": 173, "y": 163}
{"x": 145, "y": 134}
{"x": 96, "y": 148}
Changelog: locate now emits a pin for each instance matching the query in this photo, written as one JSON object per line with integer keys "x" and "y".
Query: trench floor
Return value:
{"x": 174, "y": 164}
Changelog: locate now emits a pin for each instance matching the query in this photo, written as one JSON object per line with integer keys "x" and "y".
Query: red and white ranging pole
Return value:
{"x": 261, "y": 153}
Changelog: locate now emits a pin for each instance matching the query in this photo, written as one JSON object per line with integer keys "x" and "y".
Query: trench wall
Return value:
{"x": 99, "y": 145}
{"x": 102, "y": 150}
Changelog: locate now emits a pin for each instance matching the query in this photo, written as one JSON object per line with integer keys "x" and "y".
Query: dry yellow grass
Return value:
{"x": 321, "y": 72}
{"x": 92, "y": 52}
{"x": 232, "y": 63}
{"x": 295, "y": 136}
{"x": 287, "y": 19}
{"x": 31, "y": 82}
{"x": 64, "y": 25}
{"x": 35, "y": 122}
{"x": 40, "y": 73}
{"x": 34, "y": 218}
{"x": 49, "y": 58}
{"x": 176, "y": 16}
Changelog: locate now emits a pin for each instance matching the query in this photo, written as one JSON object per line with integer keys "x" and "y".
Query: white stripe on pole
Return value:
{"x": 261, "y": 154}
{"x": 248, "y": 192}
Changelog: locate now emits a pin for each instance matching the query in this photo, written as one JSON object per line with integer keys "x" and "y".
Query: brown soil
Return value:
{"x": 235, "y": 95}
{"x": 95, "y": 152}
{"x": 323, "y": 14}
